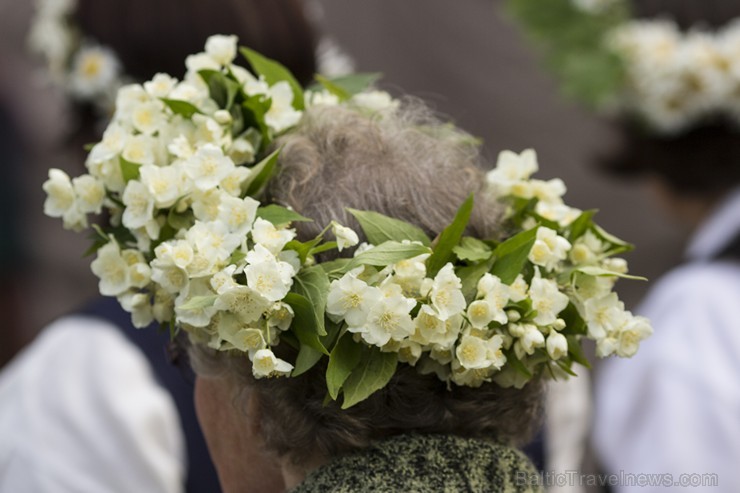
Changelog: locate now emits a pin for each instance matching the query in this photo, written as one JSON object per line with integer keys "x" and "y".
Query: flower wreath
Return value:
{"x": 649, "y": 70}
{"x": 179, "y": 172}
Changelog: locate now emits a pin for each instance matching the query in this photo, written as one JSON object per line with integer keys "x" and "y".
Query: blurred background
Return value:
{"x": 466, "y": 58}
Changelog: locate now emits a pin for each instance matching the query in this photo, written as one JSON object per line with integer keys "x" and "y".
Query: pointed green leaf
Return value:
{"x": 511, "y": 255}
{"x": 516, "y": 363}
{"x": 581, "y": 225}
{"x": 343, "y": 359}
{"x": 618, "y": 245}
{"x": 354, "y": 83}
{"x": 183, "y": 108}
{"x": 306, "y": 359}
{"x": 387, "y": 253}
{"x": 274, "y": 72}
{"x": 279, "y": 215}
{"x": 313, "y": 284}
{"x": 379, "y": 228}
{"x": 129, "y": 170}
{"x": 221, "y": 88}
{"x": 574, "y": 323}
{"x": 372, "y": 374}
{"x": 470, "y": 275}
{"x": 333, "y": 88}
{"x": 575, "y": 351}
{"x": 304, "y": 322}
{"x": 473, "y": 250}
{"x": 592, "y": 270}
{"x": 181, "y": 220}
{"x": 449, "y": 239}
{"x": 261, "y": 173}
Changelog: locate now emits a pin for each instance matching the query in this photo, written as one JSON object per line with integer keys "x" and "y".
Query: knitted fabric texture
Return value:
{"x": 425, "y": 463}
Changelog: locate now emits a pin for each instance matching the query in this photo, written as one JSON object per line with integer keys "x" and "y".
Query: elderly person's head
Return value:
{"x": 406, "y": 165}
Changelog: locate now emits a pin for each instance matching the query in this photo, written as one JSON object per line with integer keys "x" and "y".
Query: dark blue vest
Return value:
{"x": 153, "y": 343}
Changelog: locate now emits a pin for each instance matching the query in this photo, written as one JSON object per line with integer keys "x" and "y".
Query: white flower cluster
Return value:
{"x": 675, "y": 78}
{"x": 581, "y": 273}
{"x": 595, "y": 6}
{"x": 85, "y": 69}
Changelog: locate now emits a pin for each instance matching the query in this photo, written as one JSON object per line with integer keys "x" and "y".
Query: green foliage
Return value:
{"x": 304, "y": 324}
{"x": 573, "y": 45}
{"x": 261, "y": 173}
{"x": 472, "y": 250}
{"x": 583, "y": 223}
{"x": 343, "y": 359}
{"x": 129, "y": 170}
{"x": 449, "y": 238}
{"x": 222, "y": 89}
{"x": 385, "y": 254}
{"x": 274, "y": 72}
{"x": 183, "y": 108}
{"x": 346, "y": 86}
{"x": 379, "y": 228}
{"x": 313, "y": 284}
{"x": 371, "y": 374}
{"x": 278, "y": 215}
{"x": 593, "y": 270}
{"x": 512, "y": 254}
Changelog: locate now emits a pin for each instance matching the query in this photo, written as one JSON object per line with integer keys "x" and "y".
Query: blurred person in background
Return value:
{"x": 91, "y": 404}
{"x": 675, "y": 409}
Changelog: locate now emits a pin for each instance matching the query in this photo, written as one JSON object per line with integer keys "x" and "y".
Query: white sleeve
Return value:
{"x": 674, "y": 409}
{"x": 80, "y": 412}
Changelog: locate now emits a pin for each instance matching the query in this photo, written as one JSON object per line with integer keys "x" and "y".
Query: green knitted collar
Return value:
{"x": 429, "y": 463}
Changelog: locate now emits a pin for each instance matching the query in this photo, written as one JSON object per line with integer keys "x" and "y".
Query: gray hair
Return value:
{"x": 406, "y": 165}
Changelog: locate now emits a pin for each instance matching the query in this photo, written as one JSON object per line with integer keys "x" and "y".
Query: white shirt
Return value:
{"x": 674, "y": 408}
{"x": 80, "y": 412}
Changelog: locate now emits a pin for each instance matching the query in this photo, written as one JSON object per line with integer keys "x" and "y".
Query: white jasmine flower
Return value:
{"x": 481, "y": 313}
{"x": 531, "y": 339}
{"x": 446, "y": 293}
{"x": 512, "y": 169}
{"x": 388, "y": 319}
{"x": 111, "y": 269}
{"x": 95, "y": 69}
{"x": 588, "y": 287}
{"x": 197, "y": 317}
{"x": 346, "y": 237}
{"x": 603, "y": 315}
{"x": 191, "y": 93}
{"x": 60, "y": 194}
{"x": 430, "y": 329}
{"x": 270, "y": 237}
{"x": 281, "y": 114}
{"x": 110, "y": 146}
{"x": 247, "y": 340}
{"x": 549, "y": 248}
{"x": 148, "y": 118}
{"x": 586, "y": 249}
{"x": 557, "y": 345}
{"x": 606, "y": 346}
{"x": 160, "y": 86}
{"x": 139, "y": 205}
{"x": 165, "y": 184}
{"x": 241, "y": 151}
{"x": 631, "y": 334}
{"x": 208, "y": 166}
{"x": 320, "y": 98}
{"x": 351, "y": 299}
{"x": 546, "y": 299}
{"x": 246, "y": 303}
{"x": 238, "y": 214}
{"x": 412, "y": 268}
{"x": 201, "y": 61}
{"x": 180, "y": 147}
{"x": 409, "y": 352}
{"x": 376, "y": 101}
{"x": 472, "y": 353}
{"x": 171, "y": 278}
{"x": 221, "y": 48}
{"x": 138, "y": 305}
{"x": 557, "y": 212}
{"x": 232, "y": 184}
{"x": 280, "y": 316}
{"x": 518, "y": 289}
{"x": 206, "y": 203}
{"x": 267, "y": 279}
{"x": 618, "y": 265}
{"x": 139, "y": 149}
{"x": 265, "y": 364}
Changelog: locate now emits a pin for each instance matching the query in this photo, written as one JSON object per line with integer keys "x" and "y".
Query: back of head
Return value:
{"x": 406, "y": 165}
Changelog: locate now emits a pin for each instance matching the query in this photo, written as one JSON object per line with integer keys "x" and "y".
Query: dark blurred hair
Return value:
{"x": 151, "y": 36}
{"x": 703, "y": 161}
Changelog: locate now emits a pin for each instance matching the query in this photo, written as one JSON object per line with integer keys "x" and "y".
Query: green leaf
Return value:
{"x": 129, "y": 170}
{"x": 306, "y": 359}
{"x": 373, "y": 372}
{"x": 313, "y": 284}
{"x": 333, "y": 88}
{"x": 221, "y": 88}
{"x": 199, "y": 302}
{"x": 470, "y": 275}
{"x": 261, "y": 173}
{"x": 582, "y": 224}
{"x": 279, "y": 215}
{"x": 180, "y": 220}
{"x": 574, "y": 323}
{"x": 274, "y": 72}
{"x": 511, "y": 255}
{"x": 98, "y": 238}
{"x": 618, "y": 245}
{"x": 472, "y": 250}
{"x": 253, "y": 114}
{"x": 449, "y": 239}
{"x": 183, "y": 108}
{"x": 304, "y": 322}
{"x": 592, "y": 270}
{"x": 516, "y": 363}
{"x": 343, "y": 359}
{"x": 387, "y": 253}
{"x": 379, "y": 228}
{"x": 575, "y": 351}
